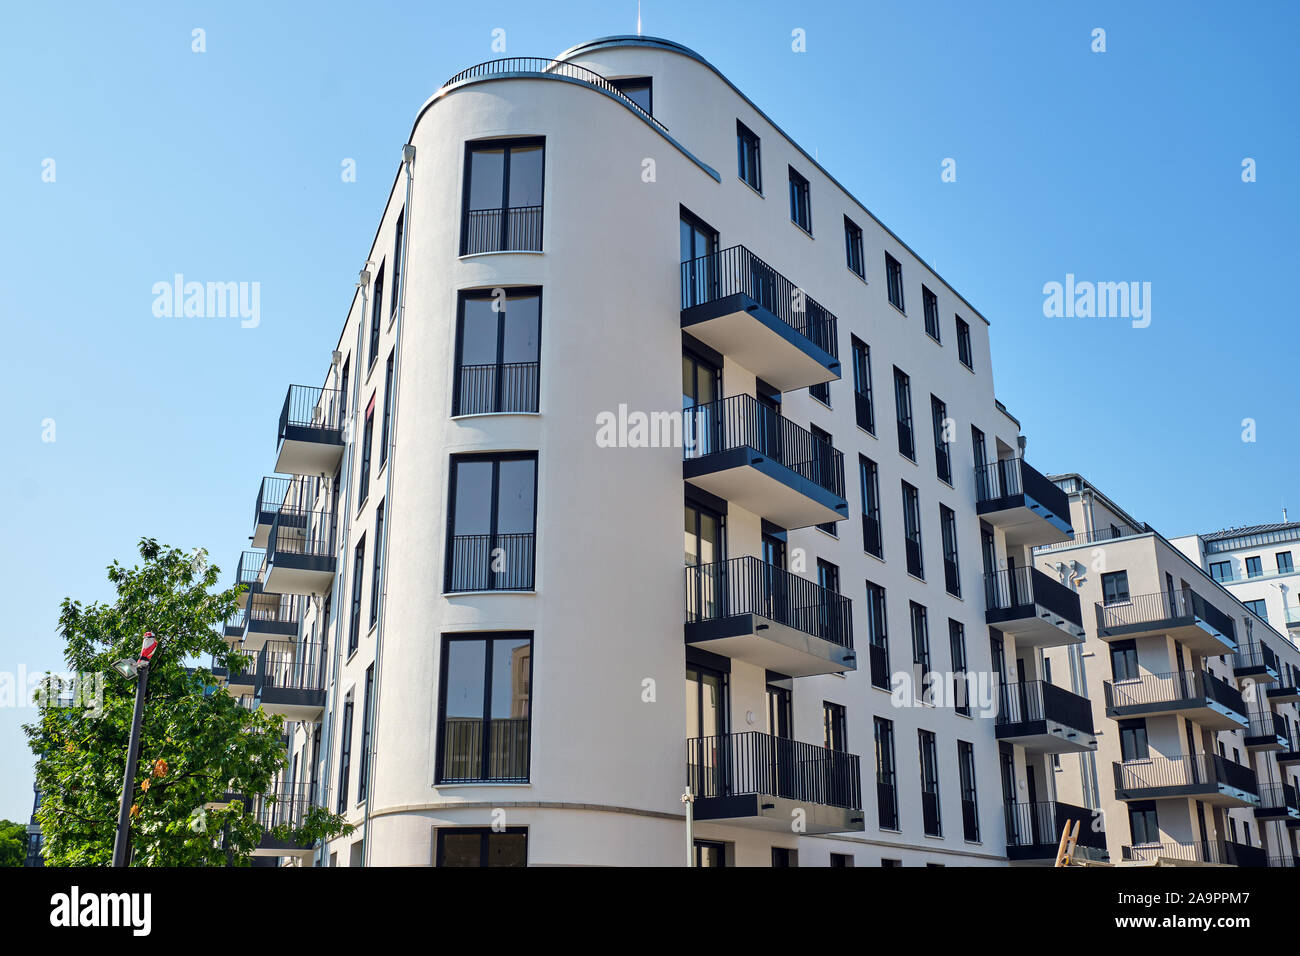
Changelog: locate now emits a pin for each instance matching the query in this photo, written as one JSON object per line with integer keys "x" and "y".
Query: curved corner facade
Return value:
{"x": 610, "y": 308}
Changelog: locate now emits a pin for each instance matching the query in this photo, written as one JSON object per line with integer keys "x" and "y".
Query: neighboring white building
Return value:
{"x": 469, "y": 590}
{"x": 1257, "y": 564}
{"x": 1194, "y": 698}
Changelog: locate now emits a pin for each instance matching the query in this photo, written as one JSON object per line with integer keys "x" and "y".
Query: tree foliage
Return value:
{"x": 13, "y": 843}
{"x": 201, "y": 754}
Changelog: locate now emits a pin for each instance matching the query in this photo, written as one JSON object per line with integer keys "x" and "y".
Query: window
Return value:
{"x": 503, "y": 196}
{"x": 886, "y": 783}
{"x": 363, "y": 778}
{"x": 358, "y": 574}
{"x": 912, "y": 530}
{"x": 397, "y": 261}
{"x": 638, "y": 89}
{"x": 970, "y": 820}
{"x": 957, "y": 648}
{"x": 963, "y": 344}
{"x": 825, "y": 468}
{"x": 748, "y": 165}
{"x": 929, "y": 783}
{"x": 853, "y": 248}
{"x": 948, "y": 527}
{"x": 492, "y": 515}
{"x": 835, "y": 726}
{"x": 889, "y": 864}
{"x": 698, "y": 244}
{"x": 903, "y": 405}
{"x": 942, "y": 458}
{"x": 869, "y": 476}
{"x": 800, "y": 208}
{"x": 866, "y": 414}
{"x": 377, "y": 568}
{"x": 822, "y": 392}
{"x": 1133, "y": 739}
{"x": 930, "y": 304}
{"x": 1284, "y": 565}
{"x": 784, "y": 856}
{"x": 841, "y": 860}
{"x": 894, "y": 281}
{"x": 1254, "y": 567}
{"x": 1221, "y": 571}
{"x": 482, "y": 846}
{"x": 1123, "y": 660}
{"x": 497, "y": 349}
{"x": 388, "y": 409}
{"x": 710, "y": 853}
{"x": 484, "y": 711}
{"x": 345, "y": 756}
{"x": 1142, "y": 824}
{"x": 877, "y": 636}
{"x": 376, "y": 311}
{"x": 920, "y": 649}
{"x": 1257, "y": 608}
{"x": 367, "y": 440}
{"x": 1114, "y": 587}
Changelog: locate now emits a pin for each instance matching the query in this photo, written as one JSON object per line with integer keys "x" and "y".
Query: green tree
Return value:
{"x": 199, "y": 746}
{"x": 13, "y": 843}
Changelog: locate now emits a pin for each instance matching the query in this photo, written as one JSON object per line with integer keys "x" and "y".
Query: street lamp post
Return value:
{"x": 139, "y": 669}
{"x": 688, "y": 799}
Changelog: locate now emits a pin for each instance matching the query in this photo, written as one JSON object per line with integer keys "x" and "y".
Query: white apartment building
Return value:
{"x": 517, "y": 593}
{"x": 1193, "y": 693}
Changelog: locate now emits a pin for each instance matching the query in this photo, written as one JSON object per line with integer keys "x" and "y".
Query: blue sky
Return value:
{"x": 225, "y": 166}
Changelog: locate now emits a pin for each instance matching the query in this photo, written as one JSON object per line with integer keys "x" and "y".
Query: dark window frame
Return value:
{"x": 500, "y": 365}
{"x": 503, "y": 243}
{"x": 853, "y": 248}
{"x": 496, "y": 458}
{"x": 485, "y": 834}
{"x": 800, "y": 201}
{"x": 964, "y": 354}
{"x": 930, "y": 306}
{"x": 864, "y": 407}
{"x": 749, "y": 157}
{"x": 489, "y": 639}
{"x": 894, "y": 283}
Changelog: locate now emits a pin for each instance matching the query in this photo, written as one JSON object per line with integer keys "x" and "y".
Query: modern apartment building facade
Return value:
{"x": 1193, "y": 694}
{"x": 468, "y": 591}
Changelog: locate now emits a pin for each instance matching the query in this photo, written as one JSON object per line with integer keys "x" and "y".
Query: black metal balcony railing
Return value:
{"x": 1008, "y": 477}
{"x": 1278, "y": 796}
{"x": 1169, "y": 688}
{"x": 1041, "y": 824}
{"x": 502, "y": 229}
{"x": 491, "y": 562}
{"x": 286, "y": 806}
{"x": 300, "y": 531}
{"x": 970, "y": 821}
{"x": 309, "y": 406}
{"x": 1026, "y": 586}
{"x": 1164, "y": 606}
{"x": 742, "y": 421}
{"x": 283, "y": 611}
{"x": 748, "y": 585}
{"x": 758, "y": 763}
{"x": 915, "y": 563}
{"x": 235, "y": 624}
{"x": 1286, "y": 861}
{"x": 497, "y": 388}
{"x": 541, "y": 66}
{"x": 1201, "y": 851}
{"x": 271, "y": 494}
{"x": 951, "y": 577}
{"x": 1036, "y": 700}
{"x": 474, "y": 750}
{"x": 737, "y": 271}
{"x": 1188, "y": 770}
{"x": 1255, "y": 656}
{"x": 878, "y": 657}
{"x": 250, "y": 568}
{"x": 1267, "y": 724}
{"x": 871, "y": 542}
{"x": 887, "y": 802}
{"x": 290, "y": 665}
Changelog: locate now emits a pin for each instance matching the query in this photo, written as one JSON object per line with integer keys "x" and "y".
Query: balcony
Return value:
{"x": 749, "y": 610}
{"x": 1284, "y": 861}
{"x": 1034, "y": 831}
{"x": 271, "y": 617}
{"x": 1183, "y": 615}
{"x": 233, "y": 628}
{"x": 1257, "y": 662}
{"x": 280, "y": 814}
{"x": 311, "y": 431}
{"x": 1208, "y": 777}
{"x": 1199, "y": 853}
{"x": 1277, "y": 801}
{"x": 743, "y": 451}
{"x": 490, "y": 562}
{"x": 502, "y": 229}
{"x": 1017, "y": 498}
{"x": 736, "y": 303}
{"x": 251, "y": 574}
{"x": 300, "y": 552}
{"x": 1284, "y": 692}
{"x": 1195, "y": 695}
{"x": 475, "y": 750}
{"x": 291, "y": 680}
{"x": 273, "y": 492}
{"x": 755, "y": 779}
{"x": 1030, "y": 606}
{"x": 1044, "y": 718}
{"x": 1267, "y": 731}
{"x": 498, "y": 388}
{"x": 1289, "y": 755}
{"x": 241, "y": 680}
